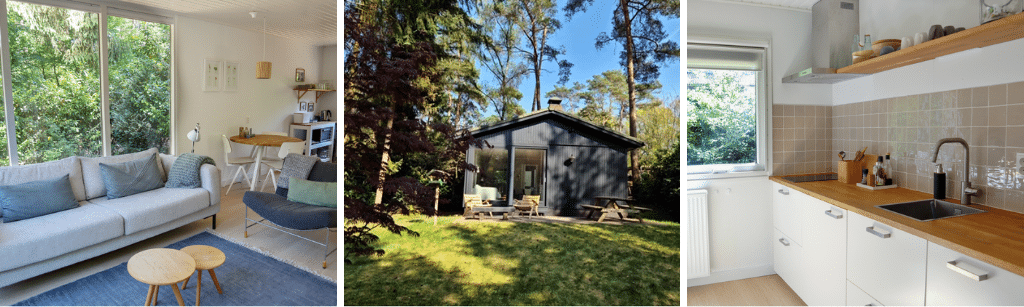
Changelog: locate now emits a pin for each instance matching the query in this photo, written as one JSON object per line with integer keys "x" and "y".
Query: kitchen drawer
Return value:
{"x": 887, "y": 263}
{"x": 825, "y": 248}
{"x": 948, "y": 287}
{"x": 787, "y": 212}
{"x": 857, "y": 297}
{"x": 788, "y": 261}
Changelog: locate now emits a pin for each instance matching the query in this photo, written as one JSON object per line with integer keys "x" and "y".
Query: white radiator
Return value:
{"x": 698, "y": 259}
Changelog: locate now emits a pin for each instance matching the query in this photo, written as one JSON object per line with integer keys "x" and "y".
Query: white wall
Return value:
{"x": 996, "y": 64}
{"x": 264, "y": 105}
{"x": 740, "y": 228}
{"x": 789, "y": 32}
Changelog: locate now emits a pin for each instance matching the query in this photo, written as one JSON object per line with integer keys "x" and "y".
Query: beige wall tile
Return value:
{"x": 997, "y": 95}
{"x": 997, "y": 116}
{"x": 979, "y": 97}
{"x": 1015, "y": 93}
{"x": 996, "y": 136}
{"x": 1015, "y": 115}
{"x": 963, "y": 98}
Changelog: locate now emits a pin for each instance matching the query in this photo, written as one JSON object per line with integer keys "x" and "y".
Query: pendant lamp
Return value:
{"x": 263, "y": 67}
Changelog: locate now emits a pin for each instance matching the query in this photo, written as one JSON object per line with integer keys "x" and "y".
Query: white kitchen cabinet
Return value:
{"x": 787, "y": 212}
{"x": 887, "y": 263}
{"x": 958, "y": 280}
{"x": 857, "y": 297}
{"x": 824, "y": 246}
{"x": 789, "y": 261}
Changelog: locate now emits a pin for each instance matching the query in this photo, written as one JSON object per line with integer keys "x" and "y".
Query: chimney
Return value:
{"x": 555, "y": 103}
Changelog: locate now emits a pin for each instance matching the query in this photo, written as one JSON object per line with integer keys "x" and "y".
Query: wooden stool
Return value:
{"x": 160, "y": 267}
{"x": 207, "y": 258}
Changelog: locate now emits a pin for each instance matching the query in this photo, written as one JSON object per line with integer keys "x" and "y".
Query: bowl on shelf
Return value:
{"x": 877, "y": 46}
{"x": 863, "y": 55}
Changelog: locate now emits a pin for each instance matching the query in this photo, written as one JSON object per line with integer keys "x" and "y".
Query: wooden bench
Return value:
{"x": 479, "y": 211}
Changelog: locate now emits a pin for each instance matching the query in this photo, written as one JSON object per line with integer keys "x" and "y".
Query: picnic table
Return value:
{"x": 612, "y": 206}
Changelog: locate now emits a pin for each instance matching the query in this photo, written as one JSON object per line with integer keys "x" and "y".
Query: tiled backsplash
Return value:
{"x": 801, "y": 139}
{"x": 990, "y": 119}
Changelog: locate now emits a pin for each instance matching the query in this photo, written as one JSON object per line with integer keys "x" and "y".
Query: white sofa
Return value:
{"x": 35, "y": 246}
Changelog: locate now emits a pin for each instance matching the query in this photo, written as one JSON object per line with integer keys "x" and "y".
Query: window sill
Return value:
{"x": 710, "y": 176}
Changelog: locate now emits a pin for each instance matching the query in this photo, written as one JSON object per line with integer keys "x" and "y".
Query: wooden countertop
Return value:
{"x": 995, "y": 236}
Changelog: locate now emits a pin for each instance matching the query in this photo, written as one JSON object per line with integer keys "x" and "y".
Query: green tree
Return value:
{"x": 720, "y": 121}
{"x": 537, "y": 22}
{"x": 498, "y": 56}
{"x": 660, "y": 186}
{"x": 659, "y": 129}
{"x": 140, "y": 100}
{"x": 571, "y": 96}
{"x": 637, "y": 28}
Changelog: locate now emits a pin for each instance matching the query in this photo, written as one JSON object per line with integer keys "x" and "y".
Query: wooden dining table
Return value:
{"x": 261, "y": 141}
{"x": 612, "y": 206}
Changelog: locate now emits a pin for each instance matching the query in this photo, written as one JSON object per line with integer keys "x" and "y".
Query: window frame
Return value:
{"x": 763, "y": 163}
{"x": 103, "y": 10}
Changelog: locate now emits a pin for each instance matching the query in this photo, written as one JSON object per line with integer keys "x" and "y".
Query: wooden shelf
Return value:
{"x": 319, "y": 92}
{"x": 999, "y": 31}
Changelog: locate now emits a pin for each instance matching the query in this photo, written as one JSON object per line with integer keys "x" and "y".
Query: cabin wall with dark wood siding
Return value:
{"x": 600, "y": 167}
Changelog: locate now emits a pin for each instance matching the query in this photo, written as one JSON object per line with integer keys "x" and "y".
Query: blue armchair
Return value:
{"x": 276, "y": 208}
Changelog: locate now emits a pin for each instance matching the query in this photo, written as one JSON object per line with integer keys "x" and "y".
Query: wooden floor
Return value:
{"x": 758, "y": 291}
{"x": 302, "y": 253}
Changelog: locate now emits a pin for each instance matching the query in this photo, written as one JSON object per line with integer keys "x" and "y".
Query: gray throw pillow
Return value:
{"x": 132, "y": 177}
{"x": 36, "y": 198}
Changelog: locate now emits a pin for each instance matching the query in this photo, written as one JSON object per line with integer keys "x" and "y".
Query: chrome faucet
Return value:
{"x": 965, "y": 191}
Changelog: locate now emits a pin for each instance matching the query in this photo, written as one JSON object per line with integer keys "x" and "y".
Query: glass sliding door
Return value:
{"x": 529, "y": 173}
{"x": 55, "y": 81}
{"x": 139, "y": 55}
{"x": 492, "y": 175}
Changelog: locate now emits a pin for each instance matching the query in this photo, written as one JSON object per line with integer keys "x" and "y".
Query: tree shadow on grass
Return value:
{"x": 523, "y": 264}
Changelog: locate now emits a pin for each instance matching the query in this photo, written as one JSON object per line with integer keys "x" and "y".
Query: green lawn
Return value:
{"x": 509, "y": 263}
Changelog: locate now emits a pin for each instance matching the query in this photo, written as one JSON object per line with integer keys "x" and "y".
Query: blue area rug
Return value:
{"x": 248, "y": 278}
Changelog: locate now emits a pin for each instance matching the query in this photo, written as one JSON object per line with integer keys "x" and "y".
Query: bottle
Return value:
{"x": 864, "y": 176}
{"x": 879, "y": 172}
{"x": 889, "y": 171}
{"x": 867, "y": 42}
{"x": 939, "y": 183}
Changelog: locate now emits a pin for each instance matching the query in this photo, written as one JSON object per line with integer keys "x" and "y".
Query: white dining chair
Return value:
{"x": 277, "y": 165}
{"x": 240, "y": 162}
{"x": 252, "y": 152}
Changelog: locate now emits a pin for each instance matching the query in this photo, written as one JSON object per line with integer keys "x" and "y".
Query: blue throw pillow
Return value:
{"x": 36, "y": 198}
{"x": 132, "y": 177}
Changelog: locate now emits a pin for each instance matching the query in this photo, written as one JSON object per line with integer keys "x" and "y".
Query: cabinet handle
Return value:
{"x": 783, "y": 192}
{"x": 962, "y": 268}
{"x": 783, "y": 241}
{"x": 833, "y": 215}
{"x": 879, "y": 234}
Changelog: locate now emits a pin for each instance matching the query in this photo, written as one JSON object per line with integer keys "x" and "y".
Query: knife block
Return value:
{"x": 849, "y": 171}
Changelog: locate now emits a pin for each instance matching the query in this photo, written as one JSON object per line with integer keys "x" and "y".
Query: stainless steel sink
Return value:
{"x": 930, "y": 209}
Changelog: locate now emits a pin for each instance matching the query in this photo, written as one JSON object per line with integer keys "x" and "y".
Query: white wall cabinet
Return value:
{"x": 955, "y": 279}
{"x": 887, "y": 263}
{"x": 788, "y": 212}
{"x": 825, "y": 248}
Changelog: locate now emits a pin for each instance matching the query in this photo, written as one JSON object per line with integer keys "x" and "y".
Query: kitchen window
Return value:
{"x": 726, "y": 95}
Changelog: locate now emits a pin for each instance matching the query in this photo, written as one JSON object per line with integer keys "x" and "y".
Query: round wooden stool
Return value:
{"x": 160, "y": 267}
{"x": 207, "y": 258}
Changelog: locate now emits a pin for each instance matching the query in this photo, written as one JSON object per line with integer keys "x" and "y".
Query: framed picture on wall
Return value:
{"x": 302, "y": 107}
{"x": 211, "y": 75}
{"x": 309, "y": 107}
{"x": 300, "y": 75}
{"x": 230, "y": 76}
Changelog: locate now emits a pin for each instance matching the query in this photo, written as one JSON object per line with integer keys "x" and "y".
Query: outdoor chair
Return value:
{"x": 471, "y": 201}
{"x": 528, "y": 204}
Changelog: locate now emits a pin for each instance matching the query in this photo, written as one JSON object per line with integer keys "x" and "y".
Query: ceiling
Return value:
{"x": 792, "y": 4}
{"x": 312, "y": 21}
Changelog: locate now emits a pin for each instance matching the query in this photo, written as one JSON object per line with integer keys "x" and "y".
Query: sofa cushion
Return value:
{"x": 10, "y": 175}
{"x": 132, "y": 177}
{"x": 29, "y": 241}
{"x": 36, "y": 198}
{"x": 324, "y": 194}
{"x": 151, "y": 208}
{"x": 91, "y": 170}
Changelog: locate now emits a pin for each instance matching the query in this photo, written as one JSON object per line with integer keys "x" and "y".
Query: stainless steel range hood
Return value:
{"x": 833, "y": 25}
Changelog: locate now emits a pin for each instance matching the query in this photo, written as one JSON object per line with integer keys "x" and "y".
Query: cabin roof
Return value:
{"x": 562, "y": 117}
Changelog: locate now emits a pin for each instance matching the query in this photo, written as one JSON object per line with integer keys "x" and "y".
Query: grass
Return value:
{"x": 509, "y": 263}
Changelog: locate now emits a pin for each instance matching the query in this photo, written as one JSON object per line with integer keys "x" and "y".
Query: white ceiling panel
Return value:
{"x": 312, "y": 21}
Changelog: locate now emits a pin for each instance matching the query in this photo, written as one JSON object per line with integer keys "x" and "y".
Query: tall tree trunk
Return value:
{"x": 385, "y": 159}
{"x": 634, "y": 155}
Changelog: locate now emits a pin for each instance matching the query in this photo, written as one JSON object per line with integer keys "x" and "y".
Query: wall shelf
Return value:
{"x": 319, "y": 92}
{"x": 999, "y": 31}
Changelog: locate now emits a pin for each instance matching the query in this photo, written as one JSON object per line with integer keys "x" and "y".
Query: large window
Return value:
{"x": 492, "y": 175}
{"x": 57, "y": 74}
{"x": 726, "y": 109}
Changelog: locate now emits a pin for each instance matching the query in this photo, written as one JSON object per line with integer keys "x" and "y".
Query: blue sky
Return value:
{"x": 578, "y": 36}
